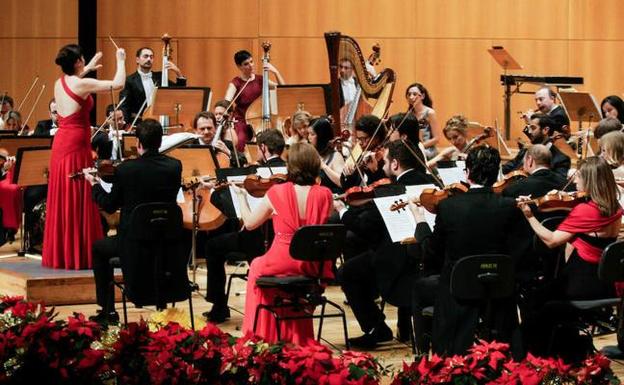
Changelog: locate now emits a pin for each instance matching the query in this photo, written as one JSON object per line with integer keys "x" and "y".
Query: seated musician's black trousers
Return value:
{"x": 423, "y": 295}
{"x": 103, "y": 250}
{"x": 357, "y": 278}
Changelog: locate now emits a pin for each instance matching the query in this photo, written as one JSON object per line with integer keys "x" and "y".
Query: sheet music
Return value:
{"x": 174, "y": 140}
{"x": 180, "y": 196}
{"x": 400, "y": 224}
{"x": 253, "y": 202}
{"x": 453, "y": 174}
{"x": 265, "y": 172}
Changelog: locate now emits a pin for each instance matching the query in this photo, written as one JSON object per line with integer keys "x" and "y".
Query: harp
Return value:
{"x": 376, "y": 90}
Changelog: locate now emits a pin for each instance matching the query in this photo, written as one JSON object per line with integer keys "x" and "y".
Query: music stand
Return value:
{"x": 251, "y": 152}
{"x": 129, "y": 144}
{"x": 34, "y": 173}
{"x": 507, "y": 62}
{"x": 581, "y": 106}
{"x": 180, "y": 105}
{"x": 13, "y": 143}
{"x": 307, "y": 97}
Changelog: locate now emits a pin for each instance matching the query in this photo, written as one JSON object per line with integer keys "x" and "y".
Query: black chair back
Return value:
{"x": 154, "y": 260}
{"x": 318, "y": 243}
{"x": 611, "y": 267}
{"x": 483, "y": 277}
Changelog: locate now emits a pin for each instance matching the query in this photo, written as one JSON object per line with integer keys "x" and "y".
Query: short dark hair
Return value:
{"x": 205, "y": 115}
{"x": 607, "y": 125}
{"x": 67, "y": 58}
{"x": 138, "y": 52}
{"x": 398, "y": 150}
{"x": 368, "y": 124}
{"x": 222, "y": 103}
{"x": 109, "y": 109}
{"x": 482, "y": 164}
{"x": 304, "y": 164}
{"x": 617, "y": 103}
{"x": 150, "y": 132}
{"x": 241, "y": 56}
{"x": 546, "y": 121}
{"x": 324, "y": 134}
{"x": 273, "y": 139}
{"x": 9, "y": 100}
{"x": 408, "y": 127}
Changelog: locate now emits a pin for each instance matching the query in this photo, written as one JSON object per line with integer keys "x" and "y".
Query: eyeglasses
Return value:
{"x": 345, "y": 67}
{"x": 54, "y": 112}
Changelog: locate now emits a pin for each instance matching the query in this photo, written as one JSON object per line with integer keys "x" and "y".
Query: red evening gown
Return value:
{"x": 10, "y": 202}
{"x": 72, "y": 218}
{"x": 277, "y": 261}
{"x": 248, "y": 96}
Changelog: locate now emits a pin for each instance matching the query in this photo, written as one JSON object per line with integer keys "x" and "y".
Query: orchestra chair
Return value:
{"x": 317, "y": 243}
{"x": 237, "y": 257}
{"x": 481, "y": 279}
{"x": 591, "y": 313}
{"x": 154, "y": 260}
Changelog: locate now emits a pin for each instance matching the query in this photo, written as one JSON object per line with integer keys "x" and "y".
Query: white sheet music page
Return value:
{"x": 265, "y": 172}
{"x": 253, "y": 202}
{"x": 452, "y": 175}
{"x": 400, "y": 224}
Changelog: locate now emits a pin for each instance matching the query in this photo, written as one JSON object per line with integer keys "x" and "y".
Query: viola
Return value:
{"x": 507, "y": 180}
{"x": 357, "y": 194}
{"x": 557, "y": 200}
{"x": 257, "y": 186}
{"x": 430, "y": 198}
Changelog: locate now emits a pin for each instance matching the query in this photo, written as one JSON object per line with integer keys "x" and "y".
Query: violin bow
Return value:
{"x": 108, "y": 118}
{"x": 116, "y": 128}
{"x": 19, "y": 108}
{"x": 422, "y": 162}
{"x": 32, "y": 109}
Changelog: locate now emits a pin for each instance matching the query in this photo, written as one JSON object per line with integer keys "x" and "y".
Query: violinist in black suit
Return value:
{"x": 475, "y": 222}
{"x": 370, "y": 134}
{"x": 379, "y": 269}
{"x": 231, "y": 239}
{"x": 540, "y": 130}
{"x": 142, "y": 83}
{"x": 205, "y": 125}
{"x": 152, "y": 177}
{"x": 44, "y": 127}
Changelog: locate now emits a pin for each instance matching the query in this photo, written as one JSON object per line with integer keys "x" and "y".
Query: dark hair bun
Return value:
{"x": 67, "y": 57}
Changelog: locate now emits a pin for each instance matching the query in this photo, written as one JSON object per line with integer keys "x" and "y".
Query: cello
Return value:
{"x": 258, "y": 114}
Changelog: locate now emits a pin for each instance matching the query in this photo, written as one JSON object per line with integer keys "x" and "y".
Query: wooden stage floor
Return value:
{"x": 392, "y": 353}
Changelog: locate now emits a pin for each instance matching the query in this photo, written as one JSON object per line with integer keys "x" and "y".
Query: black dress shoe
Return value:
{"x": 369, "y": 340}
{"x": 105, "y": 319}
{"x": 217, "y": 315}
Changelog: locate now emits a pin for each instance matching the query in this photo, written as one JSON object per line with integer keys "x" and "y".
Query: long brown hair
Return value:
{"x": 599, "y": 183}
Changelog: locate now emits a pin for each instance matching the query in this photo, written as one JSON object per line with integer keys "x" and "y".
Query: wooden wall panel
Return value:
{"x": 596, "y": 20}
{"x": 29, "y": 58}
{"x": 179, "y": 18}
{"x": 39, "y": 18}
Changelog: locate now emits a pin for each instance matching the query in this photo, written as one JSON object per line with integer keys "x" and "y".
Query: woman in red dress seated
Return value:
{"x": 72, "y": 218}
{"x": 10, "y": 197}
{"x": 590, "y": 227}
{"x": 298, "y": 202}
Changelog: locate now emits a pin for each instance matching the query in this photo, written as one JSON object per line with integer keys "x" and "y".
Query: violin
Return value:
{"x": 430, "y": 198}
{"x": 356, "y": 195}
{"x": 508, "y": 178}
{"x": 557, "y": 200}
{"x": 105, "y": 170}
{"x": 257, "y": 186}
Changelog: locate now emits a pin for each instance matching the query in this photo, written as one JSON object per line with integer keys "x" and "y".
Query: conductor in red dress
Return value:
{"x": 72, "y": 218}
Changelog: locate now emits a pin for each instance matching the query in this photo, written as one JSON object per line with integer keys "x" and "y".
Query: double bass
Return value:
{"x": 259, "y": 115}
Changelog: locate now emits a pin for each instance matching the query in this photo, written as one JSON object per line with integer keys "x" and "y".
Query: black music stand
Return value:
{"x": 129, "y": 144}
{"x": 581, "y": 106}
{"x": 13, "y": 143}
{"x": 31, "y": 169}
{"x": 507, "y": 62}
{"x": 180, "y": 105}
{"x": 313, "y": 98}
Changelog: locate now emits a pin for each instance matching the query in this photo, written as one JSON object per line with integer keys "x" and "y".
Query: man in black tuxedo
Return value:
{"x": 152, "y": 177}
{"x": 545, "y": 99}
{"x": 48, "y": 126}
{"x": 233, "y": 240}
{"x": 540, "y": 130}
{"x": 475, "y": 222}
{"x": 141, "y": 84}
{"x": 381, "y": 268}
{"x": 205, "y": 125}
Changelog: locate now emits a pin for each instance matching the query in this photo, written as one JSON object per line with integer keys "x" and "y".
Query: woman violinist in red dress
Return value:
{"x": 72, "y": 218}
{"x": 253, "y": 90}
